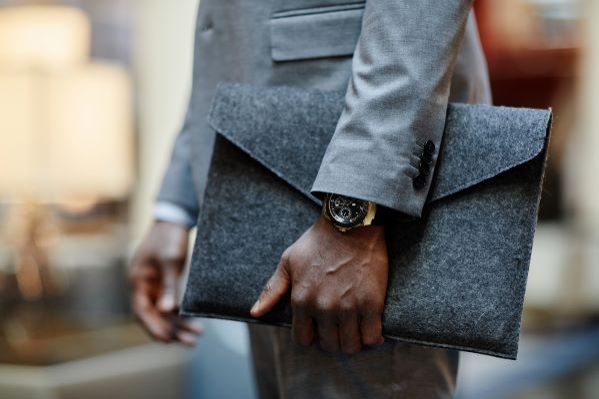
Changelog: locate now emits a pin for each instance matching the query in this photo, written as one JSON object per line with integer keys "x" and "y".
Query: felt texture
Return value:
{"x": 457, "y": 274}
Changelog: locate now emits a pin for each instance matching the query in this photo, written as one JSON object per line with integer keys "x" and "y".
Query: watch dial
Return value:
{"x": 347, "y": 211}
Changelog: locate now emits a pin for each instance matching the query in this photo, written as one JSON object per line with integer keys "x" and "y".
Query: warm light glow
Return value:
{"x": 66, "y": 135}
{"x": 43, "y": 37}
{"x": 66, "y": 125}
{"x": 18, "y": 104}
{"x": 89, "y": 132}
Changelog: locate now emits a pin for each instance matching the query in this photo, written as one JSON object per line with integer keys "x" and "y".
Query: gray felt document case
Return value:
{"x": 457, "y": 274}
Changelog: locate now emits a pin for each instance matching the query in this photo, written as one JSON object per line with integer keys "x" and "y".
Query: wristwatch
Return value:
{"x": 346, "y": 213}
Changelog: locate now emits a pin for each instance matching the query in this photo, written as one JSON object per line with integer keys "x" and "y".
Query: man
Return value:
{"x": 400, "y": 62}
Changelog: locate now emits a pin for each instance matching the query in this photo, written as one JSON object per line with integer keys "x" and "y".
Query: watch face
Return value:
{"x": 346, "y": 211}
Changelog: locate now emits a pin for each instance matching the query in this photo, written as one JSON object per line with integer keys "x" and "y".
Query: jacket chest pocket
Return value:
{"x": 315, "y": 32}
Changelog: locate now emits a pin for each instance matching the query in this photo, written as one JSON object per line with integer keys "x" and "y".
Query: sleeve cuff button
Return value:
{"x": 429, "y": 147}
{"x": 419, "y": 182}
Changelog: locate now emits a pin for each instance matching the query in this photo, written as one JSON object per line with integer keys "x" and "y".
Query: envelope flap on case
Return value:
{"x": 287, "y": 130}
{"x": 482, "y": 141}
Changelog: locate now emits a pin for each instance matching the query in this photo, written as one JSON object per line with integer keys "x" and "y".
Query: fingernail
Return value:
{"x": 186, "y": 338}
{"x": 197, "y": 328}
{"x": 255, "y": 307}
{"x": 167, "y": 303}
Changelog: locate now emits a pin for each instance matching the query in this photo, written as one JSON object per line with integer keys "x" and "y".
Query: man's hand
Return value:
{"x": 154, "y": 277}
{"x": 338, "y": 284}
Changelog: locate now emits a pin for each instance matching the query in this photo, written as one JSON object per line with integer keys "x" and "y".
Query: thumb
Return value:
{"x": 273, "y": 291}
{"x": 170, "y": 287}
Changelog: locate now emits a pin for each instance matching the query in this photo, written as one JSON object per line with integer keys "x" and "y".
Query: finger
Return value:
{"x": 187, "y": 330}
{"x": 349, "y": 335}
{"x": 170, "y": 287}
{"x": 273, "y": 292}
{"x": 371, "y": 328}
{"x": 155, "y": 323}
{"x": 189, "y": 325}
{"x": 186, "y": 338}
{"x": 328, "y": 335}
{"x": 302, "y": 329}
{"x": 142, "y": 271}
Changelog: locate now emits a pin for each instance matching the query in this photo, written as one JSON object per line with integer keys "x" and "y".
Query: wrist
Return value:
{"x": 171, "y": 225}
{"x": 365, "y": 233}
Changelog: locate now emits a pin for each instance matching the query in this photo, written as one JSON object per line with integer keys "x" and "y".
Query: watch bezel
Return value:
{"x": 366, "y": 218}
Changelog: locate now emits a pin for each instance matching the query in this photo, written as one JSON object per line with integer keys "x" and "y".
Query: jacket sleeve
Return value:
{"x": 177, "y": 186}
{"x": 385, "y": 144}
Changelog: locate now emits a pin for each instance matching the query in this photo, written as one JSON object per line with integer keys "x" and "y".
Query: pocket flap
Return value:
{"x": 288, "y": 130}
{"x": 328, "y": 31}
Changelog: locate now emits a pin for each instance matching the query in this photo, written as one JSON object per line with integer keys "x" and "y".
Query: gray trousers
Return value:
{"x": 393, "y": 370}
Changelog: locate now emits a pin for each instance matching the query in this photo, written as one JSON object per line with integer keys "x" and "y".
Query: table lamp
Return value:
{"x": 66, "y": 127}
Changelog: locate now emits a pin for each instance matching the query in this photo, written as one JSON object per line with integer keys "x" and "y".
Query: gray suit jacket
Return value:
{"x": 400, "y": 62}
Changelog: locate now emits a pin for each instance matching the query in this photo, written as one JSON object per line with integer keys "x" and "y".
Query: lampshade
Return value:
{"x": 66, "y": 135}
{"x": 17, "y": 132}
{"x": 43, "y": 37}
{"x": 65, "y": 123}
{"x": 90, "y": 126}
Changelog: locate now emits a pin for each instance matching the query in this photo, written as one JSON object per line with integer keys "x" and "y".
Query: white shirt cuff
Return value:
{"x": 168, "y": 212}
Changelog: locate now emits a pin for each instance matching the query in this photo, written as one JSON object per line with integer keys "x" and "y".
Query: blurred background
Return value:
{"x": 92, "y": 94}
